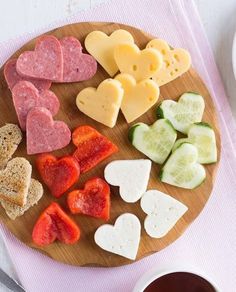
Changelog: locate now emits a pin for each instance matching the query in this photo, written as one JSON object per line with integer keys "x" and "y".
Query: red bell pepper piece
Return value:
{"x": 92, "y": 147}
{"x": 93, "y": 200}
{"x": 59, "y": 174}
{"x": 54, "y": 224}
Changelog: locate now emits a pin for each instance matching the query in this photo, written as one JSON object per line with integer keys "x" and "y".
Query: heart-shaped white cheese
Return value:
{"x": 130, "y": 175}
{"x": 123, "y": 238}
{"x": 162, "y": 211}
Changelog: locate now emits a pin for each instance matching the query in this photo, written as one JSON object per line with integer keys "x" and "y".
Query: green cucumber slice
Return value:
{"x": 188, "y": 110}
{"x": 155, "y": 141}
{"x": 203, "y": 137}
{"x": 182, "y": 169}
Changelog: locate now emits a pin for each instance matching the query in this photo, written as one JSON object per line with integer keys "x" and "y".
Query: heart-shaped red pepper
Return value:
{"x": 92, "y": 147}
{"x": 93, "y": 200}
{"x": 59, "y": 174}
{"x": 54, "y": 224}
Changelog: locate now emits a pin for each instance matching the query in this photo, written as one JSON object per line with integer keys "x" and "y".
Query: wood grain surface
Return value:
{"x": 85, "y": 252}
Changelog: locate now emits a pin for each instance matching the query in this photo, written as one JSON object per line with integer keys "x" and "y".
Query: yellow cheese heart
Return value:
{"x": 175, "y": 61}
{"x": 102, "y": 104}
{"x": 141, "y": 64}
{"x": 101, "y": 47}
{"x": 139, "y": 97}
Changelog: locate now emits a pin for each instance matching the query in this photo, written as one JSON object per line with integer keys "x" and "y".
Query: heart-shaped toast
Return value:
{"x": 182, "y": 114}
{"x": 182, "y": 169}
{"x": 12, "y": 77}
{"x": 26, "y": 96}
{"x": 54, "y": 224}
{"x": 130, "y": 175}
{"x": 101, "y": 47}
{"x": 175, "y": 61}
{"x": 10, "y": 138}
{"x": 92, "y": 147}
{"x": 123, "y": 238}
{"x": 155, "y": 141}
{"x": 59, "y": 174}
{"x": 93, "y": 200}
{"x": 138, "y": 98}
{"x": 141, "y": 64}
{"x": 162, "y": 211}
{"x": 101, "y": 104}
{"x": 77, "y": 66}
{"x": 34, "y": 195}
{"x": 45, "y": 62}
{"x": 15, "y": 181}
{"x": 43, "y": 134}
{"x": 203, "y": 137}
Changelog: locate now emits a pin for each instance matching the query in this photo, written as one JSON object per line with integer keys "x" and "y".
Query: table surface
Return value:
{"x": 219, "y": 21}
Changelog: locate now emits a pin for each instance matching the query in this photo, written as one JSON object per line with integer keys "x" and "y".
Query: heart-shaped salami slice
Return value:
{"x": 26, "y": 96}
{"x": 77, "y": 66}
{"x": 12, "y": 77}
{"x": 43, "y": 134}
{"x": 45, "y": 62}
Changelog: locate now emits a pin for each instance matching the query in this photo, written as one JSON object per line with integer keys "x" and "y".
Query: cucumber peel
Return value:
{"x": 202, "y": 136}
{"x": 155, "y": 141}
{"x": 188, "y": 110}
{"x": 182, "y": 169}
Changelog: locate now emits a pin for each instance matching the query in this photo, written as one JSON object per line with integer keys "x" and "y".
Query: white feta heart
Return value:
{"x": 123, "y": 238}
{"x": 131, "y": 176}
{"x": 162, "y": 211}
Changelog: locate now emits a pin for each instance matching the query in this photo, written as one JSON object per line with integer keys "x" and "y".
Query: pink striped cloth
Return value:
{"x": 210, "y": 242}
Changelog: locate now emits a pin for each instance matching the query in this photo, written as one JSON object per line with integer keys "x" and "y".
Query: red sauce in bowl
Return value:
{"x": 180, "y": 282}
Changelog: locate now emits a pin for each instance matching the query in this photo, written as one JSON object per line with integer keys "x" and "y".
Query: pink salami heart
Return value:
{"x": 45, "y": 62}
{"x": 12, "y": 77}
{"x": 26, "y": 96}
{"x": 77, "y": 66}
{"x": 43, "y": 134}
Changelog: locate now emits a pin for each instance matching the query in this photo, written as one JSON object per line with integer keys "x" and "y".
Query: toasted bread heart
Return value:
{"x": 34, "y": 195}
{"x": 10, "y": 138}
{"x": 15, "y": 181}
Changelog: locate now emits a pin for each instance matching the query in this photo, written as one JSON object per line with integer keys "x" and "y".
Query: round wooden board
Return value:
{"x": 86, "y": 252}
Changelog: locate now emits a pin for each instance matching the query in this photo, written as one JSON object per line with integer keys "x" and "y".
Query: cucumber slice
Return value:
{"x": 182, "y": 169}
{"x": 188, "y": 110}
{"x": 203, "y": 137}
{"x": 155, "y": 141}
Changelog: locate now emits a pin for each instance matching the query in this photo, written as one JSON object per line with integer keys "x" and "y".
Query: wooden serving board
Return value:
{"x": 86, "y": 252}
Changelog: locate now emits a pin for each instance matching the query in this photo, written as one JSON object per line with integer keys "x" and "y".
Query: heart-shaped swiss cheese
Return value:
{"x": 175, "y": 61}
{"x": 141, "y": 64}
{"x": 101, "y": 47}
{"x": 101, "y": 104}
{"x": 138, "y": 98}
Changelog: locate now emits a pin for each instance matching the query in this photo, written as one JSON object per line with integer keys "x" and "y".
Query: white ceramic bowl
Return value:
{"x": 234, "y": 55}
{"x": 156, "y": 273}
